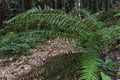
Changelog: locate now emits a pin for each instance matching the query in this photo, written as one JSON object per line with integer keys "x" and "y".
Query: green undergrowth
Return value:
{"x": 28, "y": 29}
{"x": 109, "y": 17}
{"x": 63, "y": 67}
{"x": 20, "y": 43}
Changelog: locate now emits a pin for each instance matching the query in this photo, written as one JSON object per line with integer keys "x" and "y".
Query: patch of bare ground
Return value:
{"x": 12, "y": 70}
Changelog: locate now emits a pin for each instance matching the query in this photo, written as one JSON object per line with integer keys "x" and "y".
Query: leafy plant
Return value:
{"x": 105, "y": 77}
{"x": 90, "y": 34}
{"x": 64, "y": 66}
{"x": 108, "y": 66}
{"x": 20, "y": 43}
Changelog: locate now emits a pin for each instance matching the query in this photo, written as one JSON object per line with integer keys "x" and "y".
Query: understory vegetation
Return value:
{"x": 96, "y": 34}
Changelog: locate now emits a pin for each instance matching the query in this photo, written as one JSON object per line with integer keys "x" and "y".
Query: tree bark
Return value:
{"x": 0, "y": 13}
{"x": 27, "y": 4}
{"x": 77, "y": 6}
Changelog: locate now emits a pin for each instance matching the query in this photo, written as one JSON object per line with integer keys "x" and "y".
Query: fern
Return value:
{"x": 90, "y": 34}
{"x": 89, "y": 65}
{"x": 105, "y": 77}
{"x": 63, "y": 66}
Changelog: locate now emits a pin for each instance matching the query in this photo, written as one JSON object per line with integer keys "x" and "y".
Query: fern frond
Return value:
{"x": 60, "y": 23}
{"x": 105, "y": 77}
{"x": 31, "y": 20}
{"x": 89, "y": 64}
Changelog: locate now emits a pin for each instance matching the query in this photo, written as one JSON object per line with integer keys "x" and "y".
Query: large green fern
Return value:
{"x": 90, "y": 34}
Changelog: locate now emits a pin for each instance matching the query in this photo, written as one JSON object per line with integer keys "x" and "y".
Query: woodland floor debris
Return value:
{"x": 10, "y": 70}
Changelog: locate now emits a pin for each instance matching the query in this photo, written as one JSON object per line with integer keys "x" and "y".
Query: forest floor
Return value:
{"x": 13, "y": 69}
{"x": 20, "y": 68}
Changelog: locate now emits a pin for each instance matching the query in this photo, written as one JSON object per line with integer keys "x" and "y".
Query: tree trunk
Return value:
{"x": 56, "y": 5}
{"x": 27, "y": 4}
{"x": 24, "y": 5}
{"x": 77, "y": 6}
{"x": 106, "y": 5}
{"x": 5, "y": 9}
{"x": 0, "y": 13}
{"x": 20, "y": 4}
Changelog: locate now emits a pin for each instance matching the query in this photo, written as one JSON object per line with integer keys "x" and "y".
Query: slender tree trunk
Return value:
{"x": 64, "y": 5}
{"x": 59, "y": 4}
{"x": 5, "y": 9}
{"x": 27, "y": 4}
{"x": 107, "y": 4}
{"x": 56, "y": 5}
{"x": 24, "y": 5}
{"x": 77, "y": 6}
{"x": 20, "y": 5}
{"x": 0, "y": 13}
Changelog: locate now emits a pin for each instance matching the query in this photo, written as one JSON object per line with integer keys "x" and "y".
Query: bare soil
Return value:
{"x": 13, "y": 69}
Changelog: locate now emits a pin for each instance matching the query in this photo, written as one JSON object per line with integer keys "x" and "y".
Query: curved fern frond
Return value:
{"x": 52, "y": 20}
{"x": 105, "y": 77}
{"x": 89, "y": 65}
{"x": 62, "y": 23}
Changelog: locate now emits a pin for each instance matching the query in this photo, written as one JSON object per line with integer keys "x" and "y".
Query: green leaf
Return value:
{"x": 89, "y": 65}
{"x": 105, "y": 77}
